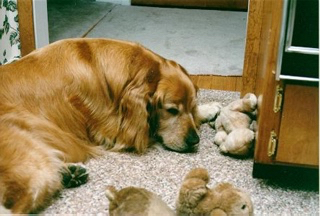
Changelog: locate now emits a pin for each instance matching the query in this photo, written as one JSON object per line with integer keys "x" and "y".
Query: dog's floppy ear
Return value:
{"x": 134, "y": 125}
{"x": 154, "y": 105}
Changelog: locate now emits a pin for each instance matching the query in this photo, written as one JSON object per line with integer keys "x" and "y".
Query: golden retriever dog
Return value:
{"x": 66, "y": 102}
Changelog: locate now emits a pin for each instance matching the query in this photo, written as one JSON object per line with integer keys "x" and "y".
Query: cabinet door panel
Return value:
{"x": 299, "y": 131}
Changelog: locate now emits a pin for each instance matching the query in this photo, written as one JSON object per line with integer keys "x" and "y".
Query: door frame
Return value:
{"x": 33, "y": 25}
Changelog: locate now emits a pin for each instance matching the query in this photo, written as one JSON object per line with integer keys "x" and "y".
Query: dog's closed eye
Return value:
{"x": 173, "y": 111}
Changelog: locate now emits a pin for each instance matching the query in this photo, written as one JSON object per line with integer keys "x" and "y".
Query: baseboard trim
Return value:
{"x": 226, "y": 83}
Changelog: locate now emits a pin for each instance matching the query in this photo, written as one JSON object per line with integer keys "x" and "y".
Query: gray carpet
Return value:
{"x": 73, "y": 19}
{"x": 162, "y": 171}
{"x": 203, "y": 41}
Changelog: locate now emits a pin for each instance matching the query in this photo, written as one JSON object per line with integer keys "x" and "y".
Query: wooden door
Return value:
{"x": 265, "y": 79}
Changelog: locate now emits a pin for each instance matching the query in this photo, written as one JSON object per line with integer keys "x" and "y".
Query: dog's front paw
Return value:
{"x": 208, "y": 112}
{"x": 74, "y": 176}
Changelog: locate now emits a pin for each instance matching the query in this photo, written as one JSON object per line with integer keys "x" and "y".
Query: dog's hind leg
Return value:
{"x": 33, "y": 157}
{"x": 29, "y": 171}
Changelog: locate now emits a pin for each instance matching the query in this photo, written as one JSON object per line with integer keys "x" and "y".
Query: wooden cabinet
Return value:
{"x": 298, "y": 141}
{"x": 288, "y": 106}
{"x": 288, "y": 141}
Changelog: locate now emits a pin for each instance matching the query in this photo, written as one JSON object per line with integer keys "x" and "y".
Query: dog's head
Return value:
{"x": 173, "y": 119}
{"x": 158, "y": 101}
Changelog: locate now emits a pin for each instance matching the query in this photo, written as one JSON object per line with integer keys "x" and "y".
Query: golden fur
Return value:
{"x": 66, "y": 102}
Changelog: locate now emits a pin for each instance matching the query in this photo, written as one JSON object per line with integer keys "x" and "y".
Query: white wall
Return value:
{"x": 40, "y": 22}
{"x": 122, "y": 2}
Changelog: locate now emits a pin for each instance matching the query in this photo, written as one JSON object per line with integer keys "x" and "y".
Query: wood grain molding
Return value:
{"x": 27, "y": 37}
{"x": 253, "y": 37}
{"x": 219, "y": 4}
{"x": 225, "y": 83}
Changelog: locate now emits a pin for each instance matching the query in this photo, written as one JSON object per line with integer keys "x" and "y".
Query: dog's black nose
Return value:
{"x": 192, "y": 138}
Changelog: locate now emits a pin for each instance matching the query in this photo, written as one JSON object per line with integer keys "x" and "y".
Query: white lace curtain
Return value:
{"x": 9, "y": 32}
